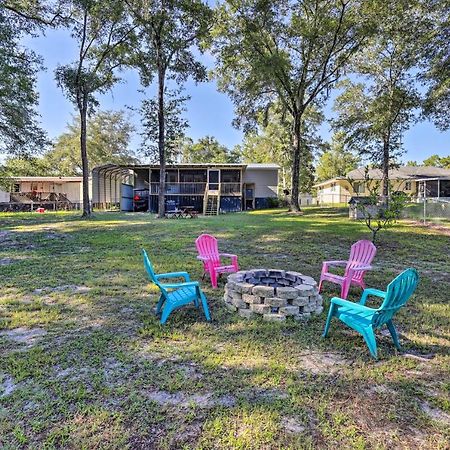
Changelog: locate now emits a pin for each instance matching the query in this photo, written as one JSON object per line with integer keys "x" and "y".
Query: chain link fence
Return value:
{"x": 426, "y": 210}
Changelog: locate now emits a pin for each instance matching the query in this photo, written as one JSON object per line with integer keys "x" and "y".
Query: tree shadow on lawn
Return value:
{"x": 175, "y": 252}
{"x": 288, "y": 391}
{"x": 113, "y": 268}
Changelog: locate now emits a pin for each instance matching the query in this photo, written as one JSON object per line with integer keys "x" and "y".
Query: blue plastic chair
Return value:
{"x": 175, "y": 295}
{"x": 366, "y": 320}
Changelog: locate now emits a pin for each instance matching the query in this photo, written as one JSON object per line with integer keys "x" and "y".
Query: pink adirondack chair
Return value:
{"x": 361, "y": 256}
{"x": 208, "y": 253}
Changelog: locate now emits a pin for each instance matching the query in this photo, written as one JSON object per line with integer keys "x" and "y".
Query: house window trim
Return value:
{"x": 359, "y": 187}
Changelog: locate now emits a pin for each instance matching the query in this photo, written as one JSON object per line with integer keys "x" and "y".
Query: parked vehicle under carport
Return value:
{"x": 140, "y": 200}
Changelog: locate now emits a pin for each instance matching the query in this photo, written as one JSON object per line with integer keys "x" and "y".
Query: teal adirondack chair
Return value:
{"x": 366, "y": 320}
{"x": 175, "y": 295}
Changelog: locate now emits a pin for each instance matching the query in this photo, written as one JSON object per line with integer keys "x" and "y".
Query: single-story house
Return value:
{"x": 416, "y": 181}
{"x": 42, "y": 190}
{"x": 209, "y": 188}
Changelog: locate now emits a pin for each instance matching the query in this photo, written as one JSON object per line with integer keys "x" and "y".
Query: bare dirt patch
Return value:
{"x": 191, "y": 371}
{"x": 7, "y": 387}
{"x": 435, "y": 413}
{"x": 10, "y": 240}
{"x": 183, "y": 399}
{"x": 425, "y": 357}
{"x": 381, "y": 389}
{"x": 22, "y": 335}
{"x": 66, "y": 287}
{"x": 6, "y": 261}
{"x": 55, "y": 235}
{"x": 292, "y": 425}
{"x": 323, "y": 362}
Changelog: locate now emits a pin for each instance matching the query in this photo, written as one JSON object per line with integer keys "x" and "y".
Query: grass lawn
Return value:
{"x": 85, "y": 364}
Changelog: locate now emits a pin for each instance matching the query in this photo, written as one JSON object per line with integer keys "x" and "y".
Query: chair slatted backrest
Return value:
{"x": 151, "y": 273}
{"x": 398, "y": 293}
{"x": 361, "y": 254}
{"x": 207, "y": 247}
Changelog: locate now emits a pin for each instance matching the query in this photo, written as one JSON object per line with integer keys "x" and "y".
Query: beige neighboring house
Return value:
{"x": 416, "y": 181}
{"x": 44, "y": 189}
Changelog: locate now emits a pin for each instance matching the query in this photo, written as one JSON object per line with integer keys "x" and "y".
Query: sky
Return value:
{"x": 209, "y": 112}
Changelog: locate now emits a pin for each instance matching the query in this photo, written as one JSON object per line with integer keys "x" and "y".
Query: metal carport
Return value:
{"x": 110, "y": 184}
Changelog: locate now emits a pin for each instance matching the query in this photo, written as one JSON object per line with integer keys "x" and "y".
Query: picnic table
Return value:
{"x": 189, "y": 211}
{"x": 183, "y": 213}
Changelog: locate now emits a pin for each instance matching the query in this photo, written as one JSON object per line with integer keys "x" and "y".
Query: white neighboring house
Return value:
{"x": 37, "y": 190}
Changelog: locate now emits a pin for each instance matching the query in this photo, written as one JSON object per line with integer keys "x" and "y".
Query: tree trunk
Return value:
{"x": 84, "y": 158}
{"x": 385, "y": 170}
{"x": 296, "y": 149}
{"x": 161, "y": 146}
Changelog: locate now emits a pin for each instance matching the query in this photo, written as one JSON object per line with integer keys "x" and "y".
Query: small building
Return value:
{"x": 416, "y": 181}
{"x": 50, "y": 192}
{"x": 359, "y": 206}
{"x": 208, "y": 188}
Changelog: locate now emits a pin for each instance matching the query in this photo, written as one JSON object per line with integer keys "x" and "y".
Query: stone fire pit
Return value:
{"x": 274, "y": 294}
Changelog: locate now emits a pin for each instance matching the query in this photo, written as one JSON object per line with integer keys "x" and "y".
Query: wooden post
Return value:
{"x": 149, "y": 187}
{"x": 424, "y": 202}
{"x": 242, "y": 189}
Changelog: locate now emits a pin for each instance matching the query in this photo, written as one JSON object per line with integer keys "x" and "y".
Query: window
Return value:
{"x": 408, "y": 186}
{"x": 34, "y": 187}
{"x": 359, "y": 188}
{"x": 16, "y": 187}
{"x": 333, "y": 187}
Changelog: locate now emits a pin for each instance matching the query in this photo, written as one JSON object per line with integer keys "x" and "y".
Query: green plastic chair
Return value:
{"x": 366, "y": 320}
{"x": 175, "y": 295}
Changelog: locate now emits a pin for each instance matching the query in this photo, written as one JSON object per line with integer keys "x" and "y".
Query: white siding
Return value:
{"x": 4, "y": 197}
{"x": 71, "y": 190}
{"x": 265, "y": 180}
{"x": 335, "y": 192}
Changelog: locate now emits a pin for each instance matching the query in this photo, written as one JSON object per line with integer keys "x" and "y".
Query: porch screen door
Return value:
{"x": 213, "y": 179}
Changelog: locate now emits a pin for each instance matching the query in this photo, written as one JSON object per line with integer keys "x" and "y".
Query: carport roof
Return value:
{"x": 190, "y": 165}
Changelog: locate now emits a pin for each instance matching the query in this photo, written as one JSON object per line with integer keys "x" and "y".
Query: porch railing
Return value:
{"x": 195, "y": 188}
{"x": 230, "y": 188}
{"x": 27, "y": 197}
{"x": 180, "y": 188}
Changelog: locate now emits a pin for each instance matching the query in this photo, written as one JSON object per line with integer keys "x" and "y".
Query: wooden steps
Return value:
{"x": 211, "y": 204}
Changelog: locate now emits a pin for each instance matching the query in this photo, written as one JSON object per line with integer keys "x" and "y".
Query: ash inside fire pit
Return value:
{"x": 275, "y": 294}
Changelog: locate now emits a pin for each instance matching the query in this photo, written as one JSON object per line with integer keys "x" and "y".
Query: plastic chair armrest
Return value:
{"x": 180, "y": 285}
{"x": 184, "y": 275}
{"x": 203, "y": 258}
{"x": 335, "y": 263}
{"x": 341, "y": 302}
{"x": 228, "y": 255}
{"x": 371, "y": 291}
